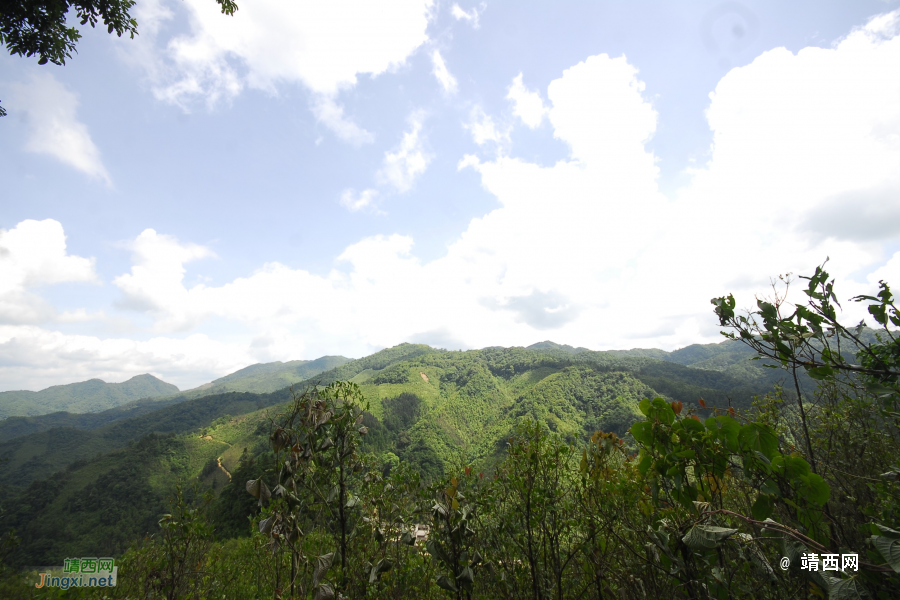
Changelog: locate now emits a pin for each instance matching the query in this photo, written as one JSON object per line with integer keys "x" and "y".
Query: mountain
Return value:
{"x": 548, "y": 345}
{"x": 93, "y": 395}
{"x": 264, "y": 378}
{"x": 430, "y": 409}
{"x": 53, "y": 442}
{"x": 258, "y": 378}
{"x": 70, "y": 490}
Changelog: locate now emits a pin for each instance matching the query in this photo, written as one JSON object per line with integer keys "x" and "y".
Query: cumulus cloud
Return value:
{"x": 447, "y": 81}
{"x": 33, "y": 358}
{"x": 484, "y": 129}
{"x": 471, "y": 16}
{"x": 527, "y": 105}
{"x": 586, "y": 251}
{"x": 540, "y": 310}
{"x": 331, "y": 114}
{"x": 353, "y": 201}
{"x": 323, "y": 46}
{"x": 32, "y": 254}
{"x": 155, "y": 281}
{"x": 49, "y": 110}
{"x": 404, "y": 165}
{"x": 859, "y": 215}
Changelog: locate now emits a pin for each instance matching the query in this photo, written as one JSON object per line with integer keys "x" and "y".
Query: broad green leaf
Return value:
{"x": 889, "y": 549}
{"x": 691, "y": 425}
{"x": 435, "y": 551}
{"x": 820, "y": 373}
{"x": 755, "y": 436}
{"x": 770, "y": 487}
{"x": 663, "y": 411}
{"x": 446, "y": 583}
{"x": 815, "y": 489}
{"x": 642, "y": 432}
{"x": 253, "y": 487}
{"x": 729, "y": 430}
{"x": 384, "y": 565}
{"x": 706, "y": 537}
{"x": 324, "y": 592}
{"x": 790, "y": 467}
{"x": 333, "y": 493}
{"x": 845, "y": 589}
{"x": 265, "y": 526}
{"x": 756, "y": 556}
{"x": 323, "y": 563}
{"x": 645, "y": 463}
{"x": 763, "y": 508}
{"x": 644, "y": 406}
{"x": 466, "y": 576}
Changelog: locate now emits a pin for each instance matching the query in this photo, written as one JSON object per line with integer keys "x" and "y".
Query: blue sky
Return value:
{"x": 315, "y": 178}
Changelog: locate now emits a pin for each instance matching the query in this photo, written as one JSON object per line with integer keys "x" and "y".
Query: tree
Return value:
{"x": 38, "y": 27}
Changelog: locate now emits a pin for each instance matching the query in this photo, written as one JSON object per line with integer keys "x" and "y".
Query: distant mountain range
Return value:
{"x": 33, "y": 412}
{"x": 89, "y": 396}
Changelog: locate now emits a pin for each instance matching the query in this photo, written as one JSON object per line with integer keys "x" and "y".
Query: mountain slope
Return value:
{"x": 265, "y": 378}
{"x": 429, "y": 408}
{"x": 39, "y": 454}
{"x": 259, "y": 378}
{"x": 93, "y": 395}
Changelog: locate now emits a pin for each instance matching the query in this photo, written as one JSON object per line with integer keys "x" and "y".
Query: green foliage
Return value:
{"x": 38, "y": 27}
{"x": 315, "y": 445}
{"x": 517, "y": 473}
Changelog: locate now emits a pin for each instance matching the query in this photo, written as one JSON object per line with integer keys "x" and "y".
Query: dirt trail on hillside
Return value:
{"x": 224, "y": 470}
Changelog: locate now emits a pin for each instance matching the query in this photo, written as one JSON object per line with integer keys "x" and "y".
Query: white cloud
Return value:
{"x": 528, "y": 105}
{"x": 34, "y": 358}
{"x": 586, "y": 251}
{"x": 447, "y": 81}
{"x": 470, "y": 16}
{"x": 155, "y": 281}
{"x": 353, "y": 201}
{"x": 322, "y": 45}
{"x": 328, "y": 111}
{"x": 32, "y": 254}
{"x": 404, "y": 165}
{"x": 484, "y": 129}
{"x": 53, "y": 126}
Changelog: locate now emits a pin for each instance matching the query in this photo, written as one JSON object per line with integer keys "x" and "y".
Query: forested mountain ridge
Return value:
{"x": 544, "y": 472}
{"x": 264, "y": 378}
{"x": 93, "y": 395}
{"x": 427, "y": 408}
{"x": 259, "y": 378}
{"x": 49, "y": 443}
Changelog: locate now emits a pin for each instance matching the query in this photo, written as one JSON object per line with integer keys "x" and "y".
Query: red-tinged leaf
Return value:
{"x": 676, "y": 407}
{"x": 695, "y": 417}
{"x": 702, "y": 403}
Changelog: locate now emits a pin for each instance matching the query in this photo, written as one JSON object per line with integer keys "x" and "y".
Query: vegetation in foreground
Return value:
{"x": 691, "y": 502}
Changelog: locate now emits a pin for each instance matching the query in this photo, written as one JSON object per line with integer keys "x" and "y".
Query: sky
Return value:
{"x": 336, "y": 177}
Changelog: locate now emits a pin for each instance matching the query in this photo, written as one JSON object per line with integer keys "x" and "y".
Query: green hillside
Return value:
{"x": 93, "y": 395}
{"x": 13, "y": 427}
{"x": 259, "y": 378}
{"x": 267, "y": 377}
{"x": 427, "y": 408}
{"x": 60, "y": 442}
{"x": 539, "y": 472}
